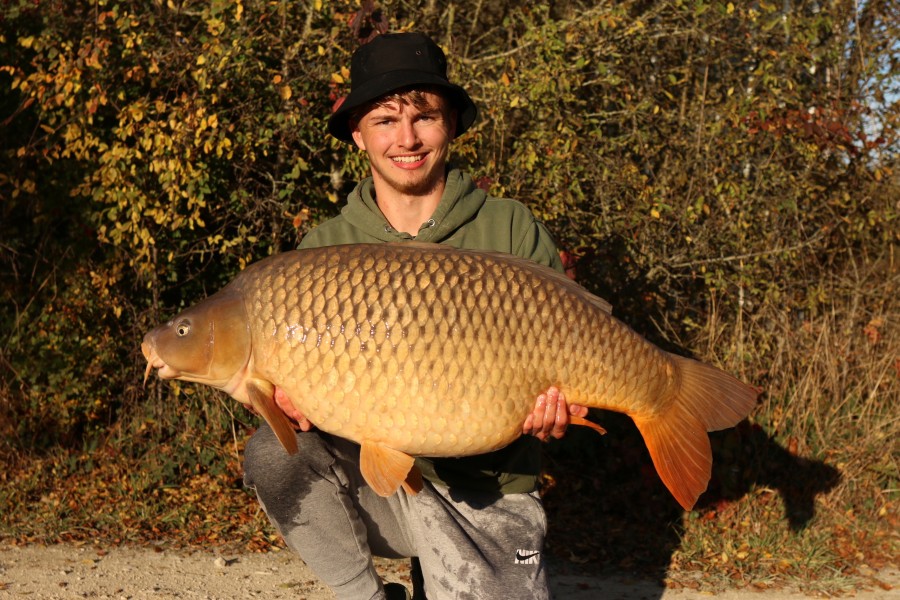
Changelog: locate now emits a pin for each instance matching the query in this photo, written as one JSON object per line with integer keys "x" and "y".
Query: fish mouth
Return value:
{"x": 155, "y": 362}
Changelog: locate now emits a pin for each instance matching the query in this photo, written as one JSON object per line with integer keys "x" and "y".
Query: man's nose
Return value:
{"x": 409, "y": 136}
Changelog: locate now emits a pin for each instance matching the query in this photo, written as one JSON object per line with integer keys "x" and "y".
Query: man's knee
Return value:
{"x": 269, "y": 469}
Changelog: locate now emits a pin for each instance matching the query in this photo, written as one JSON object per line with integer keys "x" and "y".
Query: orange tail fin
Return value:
{"x": 708, "y": 399}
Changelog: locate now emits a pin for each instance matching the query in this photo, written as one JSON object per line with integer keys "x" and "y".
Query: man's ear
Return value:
{"x": 453, "y": 117}
{"x": 357, "y": 135}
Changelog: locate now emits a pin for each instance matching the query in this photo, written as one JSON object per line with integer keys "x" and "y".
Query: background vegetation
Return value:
{"x": 726, "y": 173}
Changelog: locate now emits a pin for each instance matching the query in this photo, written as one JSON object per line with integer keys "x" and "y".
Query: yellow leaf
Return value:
{"x": 337, "y": 78}
{"x": 201, "y": 60}
{"x": 276, "y": 80}
{"x": 26, "y": 42}
{"x": 504, "y": 79}
{"x": 285, "y": 92}
{"x": 730, "y": 8}
{"x": 654, "y": 213}
{"x": 635, "y": 27}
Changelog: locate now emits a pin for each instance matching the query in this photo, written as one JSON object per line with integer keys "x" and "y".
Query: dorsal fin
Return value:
{"x": 560, "y": 279}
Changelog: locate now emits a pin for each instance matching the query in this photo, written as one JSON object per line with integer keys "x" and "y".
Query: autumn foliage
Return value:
{"x": 726, "y": 174}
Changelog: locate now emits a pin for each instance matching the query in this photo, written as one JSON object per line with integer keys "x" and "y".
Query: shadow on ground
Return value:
{"x": 609, "y": 512}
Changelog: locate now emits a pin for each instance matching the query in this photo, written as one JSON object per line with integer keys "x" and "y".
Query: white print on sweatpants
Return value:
{"x": 527, "y": 557}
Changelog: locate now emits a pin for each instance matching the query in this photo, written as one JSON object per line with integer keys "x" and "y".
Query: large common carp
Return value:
{"x": 426, "y": 350}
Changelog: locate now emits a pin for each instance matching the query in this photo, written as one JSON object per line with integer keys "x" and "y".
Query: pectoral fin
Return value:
{"x": 573, "y": 420}
{"x": 386, "y": 469}
{"x": 262, "y": 398}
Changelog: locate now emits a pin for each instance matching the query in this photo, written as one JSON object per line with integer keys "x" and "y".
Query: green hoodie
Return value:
{"x": 466, "y": 217}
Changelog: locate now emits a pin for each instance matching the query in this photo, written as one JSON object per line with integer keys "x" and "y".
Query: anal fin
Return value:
{"x": 385, "y": 469}
{"x": 574, "y": 420}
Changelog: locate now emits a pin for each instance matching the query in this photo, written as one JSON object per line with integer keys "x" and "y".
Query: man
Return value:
{"x": 477, "y": 528}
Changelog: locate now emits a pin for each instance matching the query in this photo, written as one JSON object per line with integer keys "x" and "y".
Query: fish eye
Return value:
{"x": 183, "y": 328}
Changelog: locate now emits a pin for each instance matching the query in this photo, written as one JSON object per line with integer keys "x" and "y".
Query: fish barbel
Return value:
{"x": 426, "y": 350}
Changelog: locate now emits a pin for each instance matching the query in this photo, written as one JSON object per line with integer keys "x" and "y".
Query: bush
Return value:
{"x": 725, "y": 174}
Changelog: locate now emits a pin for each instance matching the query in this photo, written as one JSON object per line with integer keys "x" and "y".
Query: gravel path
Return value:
{"x": 64, "y": 572}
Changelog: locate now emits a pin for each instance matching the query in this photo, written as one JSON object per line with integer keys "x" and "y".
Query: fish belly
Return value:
{"x": 435, "y": 351}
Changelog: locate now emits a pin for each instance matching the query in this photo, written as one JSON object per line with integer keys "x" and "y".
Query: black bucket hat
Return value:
{"x": 393, "y": 61}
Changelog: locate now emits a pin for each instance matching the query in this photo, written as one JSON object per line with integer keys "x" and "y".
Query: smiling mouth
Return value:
{"x": 408, "y": 159}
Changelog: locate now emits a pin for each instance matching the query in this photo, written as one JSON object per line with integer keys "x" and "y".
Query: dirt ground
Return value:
{"x": 64, "y": 572}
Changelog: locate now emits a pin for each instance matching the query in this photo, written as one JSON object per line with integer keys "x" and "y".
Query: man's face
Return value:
{"x": 408, "y": 144}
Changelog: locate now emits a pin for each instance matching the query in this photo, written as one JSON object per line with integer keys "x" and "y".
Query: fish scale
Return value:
{"x": 425, "y": 350}
{"x": 411, "y": 334}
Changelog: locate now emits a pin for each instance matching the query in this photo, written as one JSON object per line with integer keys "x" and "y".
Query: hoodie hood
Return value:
{"x": 459, "y": 204}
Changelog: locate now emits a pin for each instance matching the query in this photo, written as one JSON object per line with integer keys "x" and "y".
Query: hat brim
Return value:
{"x": 339, "y": 122}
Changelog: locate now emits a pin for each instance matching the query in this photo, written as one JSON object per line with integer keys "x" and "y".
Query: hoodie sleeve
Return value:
{"x": 536, "y": 243}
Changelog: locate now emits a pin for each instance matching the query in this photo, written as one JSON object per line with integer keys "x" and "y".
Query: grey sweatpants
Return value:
{"x": 471, "y": 545}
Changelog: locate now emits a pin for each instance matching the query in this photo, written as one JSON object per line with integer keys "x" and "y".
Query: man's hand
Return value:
{"x": 297, "y": 419}
{"x": 549, "y": 419}
{"x": 551, "y": 415}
